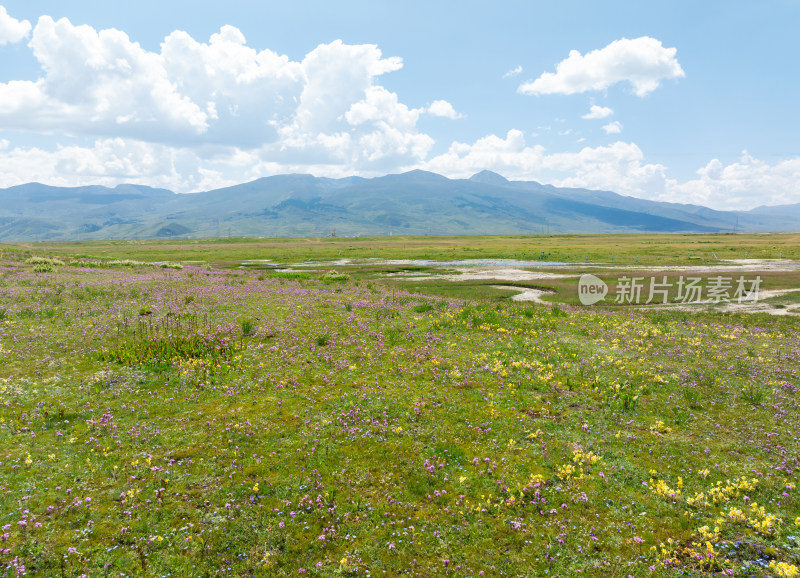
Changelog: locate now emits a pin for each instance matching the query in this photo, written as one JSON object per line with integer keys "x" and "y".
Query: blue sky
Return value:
{"x": 680, "y": 101}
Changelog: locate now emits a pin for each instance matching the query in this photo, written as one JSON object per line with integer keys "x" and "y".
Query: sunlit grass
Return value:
{"x": 650, "y": 249}
{"x": 203, "y": 421}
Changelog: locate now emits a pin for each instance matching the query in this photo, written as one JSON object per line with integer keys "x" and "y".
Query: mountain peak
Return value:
{"x": 489, "y": 178}
{"x": 420, "y": 174}
{"x": 413, "y": 176}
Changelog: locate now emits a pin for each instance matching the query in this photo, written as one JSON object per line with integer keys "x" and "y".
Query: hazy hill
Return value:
{"x": 412, "y": 203}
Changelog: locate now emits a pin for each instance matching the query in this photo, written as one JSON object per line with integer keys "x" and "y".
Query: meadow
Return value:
{"x": 624, "y": 249}
{"x": 198, "y": 420}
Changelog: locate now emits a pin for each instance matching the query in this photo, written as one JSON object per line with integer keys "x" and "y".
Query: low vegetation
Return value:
{"x": 204, "y": 421}
{"x": 642, "y": 249}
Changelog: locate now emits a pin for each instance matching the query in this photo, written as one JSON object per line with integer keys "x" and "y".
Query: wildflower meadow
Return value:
{"x": 184, "y": 420}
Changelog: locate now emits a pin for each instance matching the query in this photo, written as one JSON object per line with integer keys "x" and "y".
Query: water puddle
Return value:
{"x": 431, "y": 263}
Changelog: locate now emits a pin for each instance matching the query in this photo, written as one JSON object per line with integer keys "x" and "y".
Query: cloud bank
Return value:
{"x": 621, "y": 167}
{"x": 328, "y": 107}
{"x": 642, "y": 62}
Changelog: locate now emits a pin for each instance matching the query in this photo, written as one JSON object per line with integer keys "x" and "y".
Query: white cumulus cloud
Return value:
{"x": 598, "y": 112}
{"x": 744, "y": 184}
{"x": 443, "y": 108}
{"x": 619, "y": 166}
{"x": 107, "y": 162}
{"x": 11, "y": 29}
{"x": 643, "y": 62}
{"x": 327, "y": 108}
{"x": 614, "y": 127}
{"x": 513, "y": 72}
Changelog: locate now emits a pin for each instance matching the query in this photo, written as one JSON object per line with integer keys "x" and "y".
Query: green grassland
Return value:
{"x": 644, "y": 248}
{"x": 204, "y": 421}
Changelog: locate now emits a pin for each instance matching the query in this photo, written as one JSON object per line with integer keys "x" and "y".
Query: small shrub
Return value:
{"x": 702, "y": 378}
{"x": 43, "y": 268}
{"x": 322, "y": 340}
{"x": 392, "y": 336}
{"x": 290, "y": 275}
{"x": 145, "y": 351}
{"x": 44, "y": 261}
{"x": 334, "y": 275}
{"x": 424, "y": 308}
{"x": 753, "y": 394}
{"x": 171, "y": 266}
{"x": 692, "y": 397}
{"x": 247, "y": 328}
{"x": 129, "y": 263}
{"x": 628, "y": 400}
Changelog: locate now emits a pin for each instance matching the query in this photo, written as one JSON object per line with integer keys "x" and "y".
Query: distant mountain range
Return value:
{"x": 412, "y": 203}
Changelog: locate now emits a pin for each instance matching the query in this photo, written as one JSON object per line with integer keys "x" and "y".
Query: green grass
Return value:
{"x": 792, "y": 298}
{"x": 284, "y": 275}
{"x": 202, "y": 422}
{"x": 470, "y": 290}
{"x": 621, "y": 249}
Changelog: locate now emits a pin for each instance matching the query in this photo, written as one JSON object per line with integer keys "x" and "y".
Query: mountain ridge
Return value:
{"x": 412, "y": 203}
